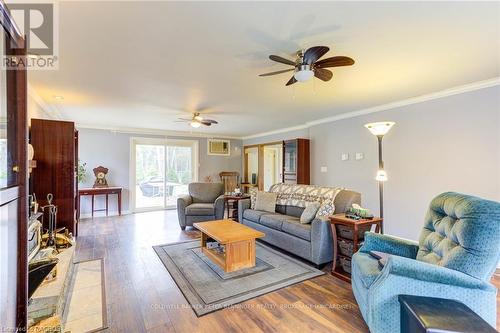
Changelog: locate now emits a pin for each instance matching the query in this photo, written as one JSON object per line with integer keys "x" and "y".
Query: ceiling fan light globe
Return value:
{"x": 195, "y": 124}
{"x": 303, "y": 73}
{"x": 198, "y": 118}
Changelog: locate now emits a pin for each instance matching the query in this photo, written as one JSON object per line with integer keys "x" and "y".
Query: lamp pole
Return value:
{"x": 380, "y": 183}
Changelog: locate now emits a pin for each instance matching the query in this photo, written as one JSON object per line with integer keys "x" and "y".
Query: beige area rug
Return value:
{"x": 86, "y": 309}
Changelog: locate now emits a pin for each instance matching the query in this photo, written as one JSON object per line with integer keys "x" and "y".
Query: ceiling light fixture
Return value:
{"x": 195, "y": 124}
{"x": 303, "y": 73}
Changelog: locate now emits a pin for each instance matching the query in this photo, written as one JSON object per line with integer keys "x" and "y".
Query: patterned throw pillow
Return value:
{"x": 253, "y": 196}
{"x": 326, "y": 209}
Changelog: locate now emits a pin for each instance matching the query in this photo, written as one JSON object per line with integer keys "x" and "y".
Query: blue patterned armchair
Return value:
{"x": 457, "y": 253}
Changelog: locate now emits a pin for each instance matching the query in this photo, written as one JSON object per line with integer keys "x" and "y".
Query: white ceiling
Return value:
{"x": 142, "y": 64}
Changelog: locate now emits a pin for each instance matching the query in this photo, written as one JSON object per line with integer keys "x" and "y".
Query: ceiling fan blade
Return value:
{"x": 211, "y": 121}
{"x": 323, "y": 74}
{"x": 183, "y": 119}
{"x": 277, "y": 72}
{"x": 206, "y": 123}
{"x": 334, "y": 62}
{"x": 282, "y": 60}
{"x": 314, "y": 53}
{"x": 291, "y": 81}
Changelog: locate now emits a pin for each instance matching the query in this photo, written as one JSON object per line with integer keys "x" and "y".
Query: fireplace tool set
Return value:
{"x": 54, "y": 237}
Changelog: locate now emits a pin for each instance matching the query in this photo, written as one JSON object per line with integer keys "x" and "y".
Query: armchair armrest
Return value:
{"x": 389, "y": 244}
{"x": 425, "y": 272}
{"x": 182, "y": 203}
{"x": 243, "y": 204}
{"x": 219, "y": 207}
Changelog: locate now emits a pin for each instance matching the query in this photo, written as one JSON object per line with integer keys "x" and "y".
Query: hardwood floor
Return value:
{"x": 142, "y": 297}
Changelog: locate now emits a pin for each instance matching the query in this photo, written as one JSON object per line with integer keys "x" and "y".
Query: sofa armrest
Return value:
{"x": 321, "y": 241}
{"x": 389, "y": 244}
{"x": 219, "y": 207}
{"x": 182, "y": 203}
{"x": 422, "y": 271}
{"x": 243, "y": 204}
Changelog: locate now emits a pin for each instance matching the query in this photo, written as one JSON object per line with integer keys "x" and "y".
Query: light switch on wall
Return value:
{"x": 360, "y": 156}
{"x": 324, "y": 169}
{"x": 345, "y": 156}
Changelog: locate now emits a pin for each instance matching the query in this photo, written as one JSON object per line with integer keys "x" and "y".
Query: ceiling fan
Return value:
{"x": 197, "y": 120}
{"x": 307, "y": 64}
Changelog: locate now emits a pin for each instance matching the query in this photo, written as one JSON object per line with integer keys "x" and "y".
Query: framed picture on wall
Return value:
{"x": 219, "y": 147}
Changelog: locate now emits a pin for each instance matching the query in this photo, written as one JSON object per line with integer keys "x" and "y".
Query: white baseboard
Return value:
{"x": 103, "y": 214}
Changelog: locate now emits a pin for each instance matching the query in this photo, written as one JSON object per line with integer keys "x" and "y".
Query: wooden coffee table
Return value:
{"x": 238, "y": 240}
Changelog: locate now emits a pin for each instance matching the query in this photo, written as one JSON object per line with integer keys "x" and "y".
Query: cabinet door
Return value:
{"x": 290, "y": 157}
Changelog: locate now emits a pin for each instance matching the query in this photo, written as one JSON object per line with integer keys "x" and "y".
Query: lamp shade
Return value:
{"x": 380, "y": 128}
{"x": 303, "y": 75}
{"x": 381, "y": 176}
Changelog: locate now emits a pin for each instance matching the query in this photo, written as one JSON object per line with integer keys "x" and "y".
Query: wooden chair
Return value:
{"x": 230, "y": 179}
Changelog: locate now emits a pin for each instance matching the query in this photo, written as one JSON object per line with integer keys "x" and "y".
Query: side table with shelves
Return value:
{"x": 348, "y": 236}
{"x": 231, "y": 205}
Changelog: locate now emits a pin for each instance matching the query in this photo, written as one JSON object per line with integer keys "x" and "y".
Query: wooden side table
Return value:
{"x": 100, "y": 191}
{"x": 234, "y": 200}
{"x": 352, "y": 233}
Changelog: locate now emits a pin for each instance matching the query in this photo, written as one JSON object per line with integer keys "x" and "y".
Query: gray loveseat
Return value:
{"x": 205, "y": 202}
{"x": 283, "y": 229}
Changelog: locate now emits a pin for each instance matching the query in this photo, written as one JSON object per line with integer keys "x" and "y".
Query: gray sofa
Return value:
{"x": 205, "y": 202}
{"x": 283, "y": 229}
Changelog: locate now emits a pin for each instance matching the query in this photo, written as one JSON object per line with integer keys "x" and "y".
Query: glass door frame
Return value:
{"x": 165, "y": 142}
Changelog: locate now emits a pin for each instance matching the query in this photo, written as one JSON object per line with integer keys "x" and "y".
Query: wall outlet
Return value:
{"x": 324, "y": 169}
{"x": 345, "y": 156}
{"x": 360, "y": 156}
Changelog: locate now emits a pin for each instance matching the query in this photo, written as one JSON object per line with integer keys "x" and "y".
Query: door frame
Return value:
{"x": 194, "y": 144}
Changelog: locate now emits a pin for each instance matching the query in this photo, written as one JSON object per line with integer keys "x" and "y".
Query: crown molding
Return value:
{"x": 156, "y": 132}
{"x": 409, "y": 101}
{"x": 278, "y": 131}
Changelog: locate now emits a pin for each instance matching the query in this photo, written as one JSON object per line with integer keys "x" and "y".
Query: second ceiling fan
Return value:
{"x": 308, "y": 64}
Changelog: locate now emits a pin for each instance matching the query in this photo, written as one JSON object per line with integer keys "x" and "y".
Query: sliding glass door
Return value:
{"x": 162, "y": 170}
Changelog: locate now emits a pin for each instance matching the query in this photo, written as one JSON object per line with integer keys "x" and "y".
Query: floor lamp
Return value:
{"x": 380, "y": 129}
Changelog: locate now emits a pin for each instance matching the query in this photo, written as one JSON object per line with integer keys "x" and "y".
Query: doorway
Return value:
{"x": 273, "y": 165}
{"x": 161, "y": 170}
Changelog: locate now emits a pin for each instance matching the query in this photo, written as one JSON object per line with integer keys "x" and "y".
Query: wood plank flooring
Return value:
{"x": 142, "y": 297}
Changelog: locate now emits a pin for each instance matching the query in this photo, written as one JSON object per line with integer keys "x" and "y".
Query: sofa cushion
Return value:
{"x": 200, "y": 209}
{"x": 273, "y": 221}
{"x": 253, "y": 215}
{"x": 291, "y": 225}
{"x": 294, "y": 211}
{"x": 310, "y": 212}
{"x": 368, "y": 268}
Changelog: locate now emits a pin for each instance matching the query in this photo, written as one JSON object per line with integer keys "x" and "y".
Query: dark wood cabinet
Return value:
{"x": 55, "y": 144}
{"x": 296, "y": 168}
